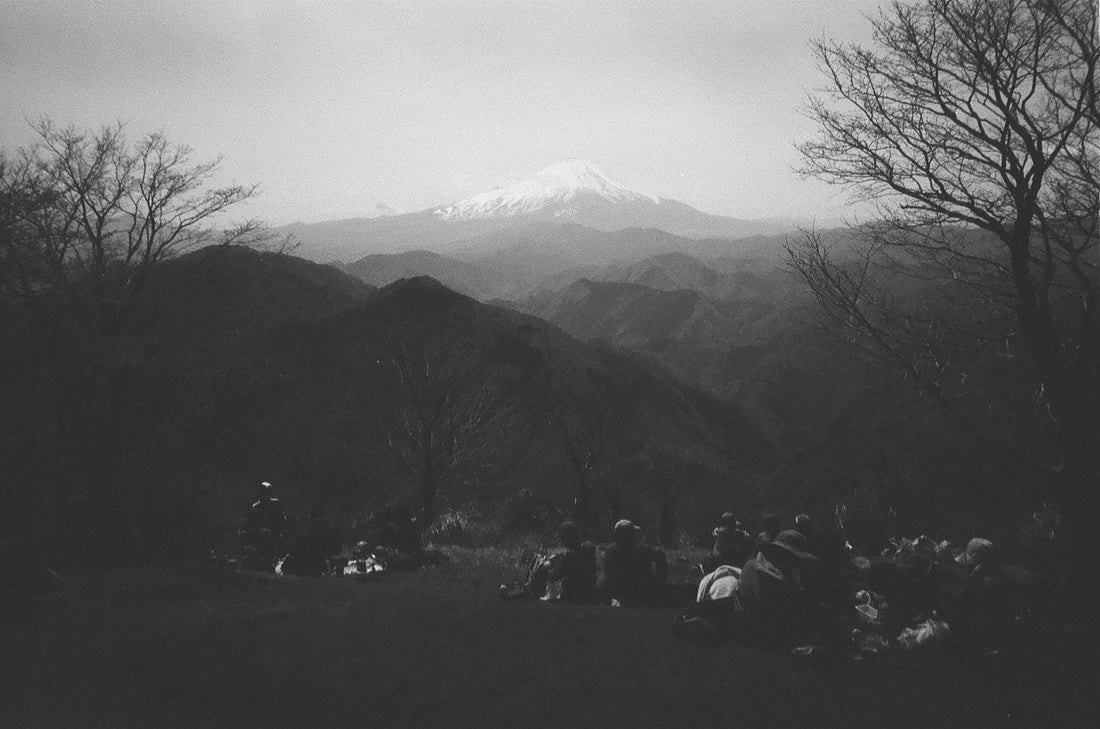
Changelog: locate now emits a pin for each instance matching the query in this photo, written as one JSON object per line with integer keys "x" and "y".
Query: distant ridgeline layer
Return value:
{"x": 572, "y": 193}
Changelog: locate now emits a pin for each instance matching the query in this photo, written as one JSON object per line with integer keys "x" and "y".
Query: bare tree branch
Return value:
{"x": 972, "y": 125}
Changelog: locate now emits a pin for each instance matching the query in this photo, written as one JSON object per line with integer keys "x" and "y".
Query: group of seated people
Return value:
{"x": 789, "y": 587}
{"x": 634, "y": 574}
{"x": 785, "y": 587}
{"x": 802, "y": 586}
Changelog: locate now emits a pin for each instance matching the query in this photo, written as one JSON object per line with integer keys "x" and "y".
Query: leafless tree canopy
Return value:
{"x": 589, "y": 423}
{"x": 441, "y": 411}
{"x": 972, "y": 127}
{"x": 89, "y": 214}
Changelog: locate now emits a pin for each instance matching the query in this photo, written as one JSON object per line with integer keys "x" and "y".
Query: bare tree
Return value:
{"x": 589, "y": 414}
{"x": 86, "y": 220}
{"x": 665, "y": 474}
{"x": 441, "y": 412}
{"x": 89, "y": 216}
{"x": 971, "y": 125}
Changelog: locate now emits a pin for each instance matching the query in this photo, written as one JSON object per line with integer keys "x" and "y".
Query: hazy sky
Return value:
{"x": 335, "y": 107}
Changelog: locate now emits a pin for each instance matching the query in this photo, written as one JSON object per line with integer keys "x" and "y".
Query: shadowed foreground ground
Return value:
{"x": 437, "y": 649}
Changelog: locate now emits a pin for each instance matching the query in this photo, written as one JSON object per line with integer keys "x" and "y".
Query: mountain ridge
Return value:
{"x": 555, "y": 185}
{"x": 569, "y": 192}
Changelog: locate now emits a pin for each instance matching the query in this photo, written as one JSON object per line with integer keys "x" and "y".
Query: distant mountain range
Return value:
{"x": 516, "y": 263}
{"x": 470, "y": 279}
{"x": 637, "y": 316}
{"x": 706, "y": 298}
{"x": 571, "y": 192}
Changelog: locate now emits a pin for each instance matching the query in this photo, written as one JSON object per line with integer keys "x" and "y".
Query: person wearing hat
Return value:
{"x": 634, "y": 574}
{"x": 264, "y": 524}
{"x": 980, "y": 553}
{"x": 267, "y": 512}
{"x": 979, "y": 612}
{"x": 774, "y": 605}
{"x": 805, "y": 526}
{"x": 771, "y": 525}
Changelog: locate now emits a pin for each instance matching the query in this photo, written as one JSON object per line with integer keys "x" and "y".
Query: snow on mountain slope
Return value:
{"x": 554, "y": 186}
{"x": 559, "y": 199}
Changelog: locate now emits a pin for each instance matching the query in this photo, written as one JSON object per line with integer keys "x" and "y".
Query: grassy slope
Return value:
{"x": 436, "y": 648}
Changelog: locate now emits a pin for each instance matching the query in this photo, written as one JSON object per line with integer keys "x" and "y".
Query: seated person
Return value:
{"x": 634, "y": 574}
{"x": 405, "y": 534}
{"x": 252, "y": 560}
{"x": 828, "y": 583}
{"x": 721, "y": 584}
{"x": 774, "y": 606}
{"x": 573, "y": 566}
{"x": 1041, "y": 542}
{"x": 395, "y": 528}
{"x": 260, "y": 542}
{"x": 732, "y": 544}
{"x": 312, "y": 548}
{"x": 804, "y": 525}
{"x": 771, "y": 530}
{"x": 266, "y": 512}
{"x": 979, "y": 608}
{"x": 713, "y": 614}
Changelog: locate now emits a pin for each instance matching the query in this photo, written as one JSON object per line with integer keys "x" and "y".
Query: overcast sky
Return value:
{"x": 335, "y": 107}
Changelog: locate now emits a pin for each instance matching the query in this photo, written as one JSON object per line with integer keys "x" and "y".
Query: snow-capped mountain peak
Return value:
{"x": 577, "y": 174}
{"x": 550, "y": 187}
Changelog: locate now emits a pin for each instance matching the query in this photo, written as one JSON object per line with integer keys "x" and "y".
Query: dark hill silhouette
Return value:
{"x": 624, "y": 314}
{"x": 630, "y": 314}
{"x": 727, "y": 277}
{"x": 540, "y": 369}
{"x": 250, "y": 290}
{"x": 464, "y": 277}
{"x": 670, "y": 272}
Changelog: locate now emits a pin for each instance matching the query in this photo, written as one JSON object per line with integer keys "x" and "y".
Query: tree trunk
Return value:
{"x": 429, "y": 487}
{"x": 582, "y": 502}
{"x": 1074, "y": 404}
{"x": 1040, "y": 330}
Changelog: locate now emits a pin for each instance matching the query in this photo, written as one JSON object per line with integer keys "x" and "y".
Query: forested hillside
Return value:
{"x": 279, "y": 369}
{"x": 731, "y": 316}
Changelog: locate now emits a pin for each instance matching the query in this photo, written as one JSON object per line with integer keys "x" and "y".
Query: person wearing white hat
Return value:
{"x": 263, "y": 525}
{"x": 267, "y": 512}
